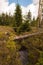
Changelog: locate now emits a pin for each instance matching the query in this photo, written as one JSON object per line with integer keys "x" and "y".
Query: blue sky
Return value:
{"x": 21, "y": 2}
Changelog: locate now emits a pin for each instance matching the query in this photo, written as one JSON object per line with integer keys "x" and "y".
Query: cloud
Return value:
{"x": 5, "y": 7}
{"x": 36, "y": 1}
{"x": 32, "y": 8}
{"x": 11, "y": 8}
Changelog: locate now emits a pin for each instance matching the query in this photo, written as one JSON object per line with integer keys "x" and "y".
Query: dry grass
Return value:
{"x": 6, "y": 29}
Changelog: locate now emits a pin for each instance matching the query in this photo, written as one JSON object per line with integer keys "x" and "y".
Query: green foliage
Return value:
{"x": 25, "y": 27}
{"x": 40, "y": 61}
{"x": 11, "y": 45}
{"x": 35, "y": 23}
{"x": 10, "y": 51}
{"x": 6, "y": 20}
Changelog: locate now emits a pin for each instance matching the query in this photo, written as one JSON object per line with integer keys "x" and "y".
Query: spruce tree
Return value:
{"x": 18, "y": 16}
{"x": 29, "y": 16}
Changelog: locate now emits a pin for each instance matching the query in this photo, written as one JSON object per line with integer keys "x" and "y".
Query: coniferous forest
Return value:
{"x": 26, "y": 51}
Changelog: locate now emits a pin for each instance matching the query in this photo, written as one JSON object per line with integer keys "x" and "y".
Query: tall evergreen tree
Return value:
{"x": 18, "y": 16}
{"x": 29, "y": 16}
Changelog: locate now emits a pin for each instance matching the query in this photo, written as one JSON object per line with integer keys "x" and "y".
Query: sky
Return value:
{"x": 9, "y": 6}
{"x": 21, "y": 2}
